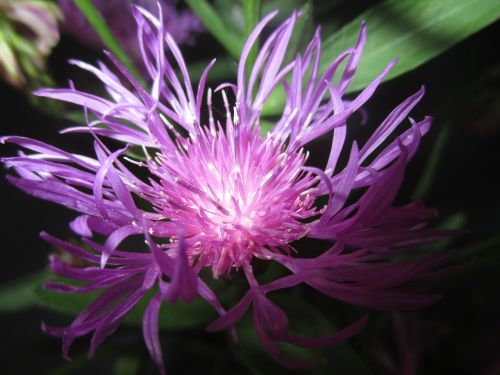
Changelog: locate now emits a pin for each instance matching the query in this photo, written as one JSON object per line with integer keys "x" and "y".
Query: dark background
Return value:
{"x": 458, "y": 335}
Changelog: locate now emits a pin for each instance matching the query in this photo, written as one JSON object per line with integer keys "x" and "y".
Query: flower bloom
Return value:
{"x": 181, "y": 25}
{"x": 216, "y": 195}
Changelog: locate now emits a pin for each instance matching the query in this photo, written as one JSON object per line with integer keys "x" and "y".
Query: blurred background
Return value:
{"x": 455, "y": 171}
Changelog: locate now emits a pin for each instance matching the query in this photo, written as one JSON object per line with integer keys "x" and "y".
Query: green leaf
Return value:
{"x": 251, "y": 11}
{"x": 99, "y": 24}
{"x": 481, "y": 261}
{"x": 265, "y": 127}
{"x": 77, "y": 117}
{"x": 72, "y": 367}
{"x": 453, "y": 222}
{"x": 20, "y": 294}
{"x": 275, "y": 103}
{"x": 232, "y": 13}
{"x": 414, "y": 31}
{"x": 425, "y": 183}
{"x": 481, "y": 248}
{"x": 223, "y": 69}
{"x": 80, "y": 364}
{"x": 216, "y": 26}
{"x": 127, "y": 365}
{"x": 285, "y": 7}
{"x": 174, "y": 317}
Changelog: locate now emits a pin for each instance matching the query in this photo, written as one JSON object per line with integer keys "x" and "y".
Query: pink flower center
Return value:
{"x": 234, "y": 197}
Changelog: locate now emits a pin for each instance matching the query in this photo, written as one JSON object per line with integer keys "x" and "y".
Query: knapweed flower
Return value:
{"x": 182, "y": 25}
{"x": 28, "y": 32}
{"x": 212, "y": 193}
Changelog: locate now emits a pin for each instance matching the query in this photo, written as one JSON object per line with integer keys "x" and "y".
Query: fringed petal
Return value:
{"x": 183, "y": 285}
{"x": 150, "y": 331}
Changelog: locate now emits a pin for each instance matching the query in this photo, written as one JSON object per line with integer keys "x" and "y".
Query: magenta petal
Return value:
{"x": 100, "y": 180}
{"x": 184, "y": 281}
{"x": 150, "y": 331}
{"x": 343, "y": 188}
{"x": 270, "y": 323}
{"x": 80, "y": 226}
{"x": 112, "y": 320}
{"x": 164, "y": 261}
{"x": 114, "y": 240}
{"x": 273, "y": 351}
{"x": 352, "y": 64}
{"x": 330, "y": 340}
{"x": 391, "y": 122}
{"x": 59, "y": 332}
{"x": 230, "y": 318}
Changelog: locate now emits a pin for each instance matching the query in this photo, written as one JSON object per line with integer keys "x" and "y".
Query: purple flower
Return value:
{"x": 182, "y": 25}
{"x": 217, "y": 195}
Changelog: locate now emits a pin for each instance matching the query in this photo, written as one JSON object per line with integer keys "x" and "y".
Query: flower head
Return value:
{"x": 233, "y": 195}
{"x": 217, "y": 195}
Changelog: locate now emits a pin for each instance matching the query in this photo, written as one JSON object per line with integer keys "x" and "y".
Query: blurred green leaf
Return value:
{"x": 216, "y": 26}
{"x": 76, "y": 117}
{"x": 265, "y": 127}
{"x": 274, "y": 103}
{"x": 20, "y": 294}
{"x": 251, "y": 12}
{"x": 479, "y": 261}
{"x": 223, "y": 69}
{"x": 232, "y": 13}
{"x": 285, "y": 7}
{"x": 99, "y": 24}
{"x": 80, "y": 364}
{"x": 127, "y": 365}
{"x": 491, "y": 245}
{"x": 452, "y": 222}
{"x": 425, "y": 184}
{"x": 76, "y": 364}
{"x": 414, "y": 31}
{"x": 455, "y": 221}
